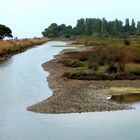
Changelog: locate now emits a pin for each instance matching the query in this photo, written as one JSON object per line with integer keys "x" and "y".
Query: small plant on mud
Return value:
{"x": 94, "y": 66}
{"x": 72, "y": 63}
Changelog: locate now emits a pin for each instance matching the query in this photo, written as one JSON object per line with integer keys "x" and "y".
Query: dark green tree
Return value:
{"x": 51, "y": 31}
{"x": 89, "y": 26}
{"x": 80, "y": 27}
{"x": 94, "y": 27}
{"x": 68, "y": 32}
{"x": 55, "y": 30}
{"x": 61, "y": 30}
{"x": 97, "y": 26}
{"x": 104, "y": 26}
{"x": 120, "y": 26}
{"x": 127, "y": 25}
{"x": 117, "y": 26}
{"x": 133, "y": 28}
{"x": 110, "y": 27}
{"x": 64, "y": 31}
{"x": 5, "y": 32}
{"x": 138, "y": 26}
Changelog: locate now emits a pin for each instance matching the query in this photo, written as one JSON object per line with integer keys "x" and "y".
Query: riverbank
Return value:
{"x": 11, "y": 47}
{"x": 71, "y": 95}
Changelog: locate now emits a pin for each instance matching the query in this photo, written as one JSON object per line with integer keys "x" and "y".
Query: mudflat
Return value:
{"x": 71, "y": 95}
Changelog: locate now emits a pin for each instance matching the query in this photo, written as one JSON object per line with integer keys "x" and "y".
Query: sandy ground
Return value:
{"x": 77, "y": 95}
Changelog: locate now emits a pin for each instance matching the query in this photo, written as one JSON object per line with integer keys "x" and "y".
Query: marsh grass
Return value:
{"x": 117, "y": 42}
{"x": 116, "y": 59}
{"x": 123, "y": 90}
{"x": 132, "y": 68}
{"x": 13, "y": 46}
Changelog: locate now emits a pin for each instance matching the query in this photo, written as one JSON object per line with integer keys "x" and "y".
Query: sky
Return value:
{"x": 28, "y": 18}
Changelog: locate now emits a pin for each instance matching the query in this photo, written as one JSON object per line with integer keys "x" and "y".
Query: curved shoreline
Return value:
{"x": 9, "y": 51}
{"x": 71, "y": 96}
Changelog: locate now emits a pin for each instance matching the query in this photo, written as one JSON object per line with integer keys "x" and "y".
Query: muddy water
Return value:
{"x": 130, "y": 98}
{"x": 23, "y": 82}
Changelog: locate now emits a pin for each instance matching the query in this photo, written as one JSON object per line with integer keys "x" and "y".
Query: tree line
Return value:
{"x": 93, "y": 27}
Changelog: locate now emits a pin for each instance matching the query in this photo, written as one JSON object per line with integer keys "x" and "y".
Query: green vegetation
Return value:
{"x": 5, "y": 32}
{"x": 94, "y": 27}
{"x": 54, "y": 31}
{"x": 114, "y": 59}
{"x": 132, "y": 68}
{"x": 115, "y": 42}
{"x": 116, "y": 50}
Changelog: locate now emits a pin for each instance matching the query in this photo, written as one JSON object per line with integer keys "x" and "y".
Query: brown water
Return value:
{"x": 129, "y": 98}
{"x": 23, "y": 83}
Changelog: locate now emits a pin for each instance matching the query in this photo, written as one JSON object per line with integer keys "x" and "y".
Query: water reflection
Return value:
{"x": 6, "y": 63}
{"x": 126, "y": 98}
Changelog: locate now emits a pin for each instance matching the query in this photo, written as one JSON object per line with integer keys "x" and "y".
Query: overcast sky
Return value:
{"x": 28, "y": 18}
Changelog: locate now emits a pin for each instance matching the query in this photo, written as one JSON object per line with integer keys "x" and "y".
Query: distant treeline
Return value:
{"x": 94, "y": 27}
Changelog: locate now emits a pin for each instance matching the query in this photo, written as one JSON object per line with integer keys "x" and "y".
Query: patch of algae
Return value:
{"x": 123, "y": 90}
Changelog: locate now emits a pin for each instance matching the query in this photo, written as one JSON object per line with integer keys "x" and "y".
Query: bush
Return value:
{"x": 127, "y": 42}
{"x": 94, "y": 66}
{"x": 112, "y": 69}
{"x": 132, "y": 69}
{"x": 72, "y": 63}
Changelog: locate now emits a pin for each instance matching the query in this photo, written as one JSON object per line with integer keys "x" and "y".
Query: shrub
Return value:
{"x": 112, "y": 69}
{"x": 72, "y": 63}
{"x": 127, "y": 42}
{"x": 101, "y": 70}
{"x": 132, "y": 69}
{"x": 94, "y": 66}
{"x": 121, "y": 67}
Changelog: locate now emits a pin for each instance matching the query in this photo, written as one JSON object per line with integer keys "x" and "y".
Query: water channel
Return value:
{"x": 23, "y": 83}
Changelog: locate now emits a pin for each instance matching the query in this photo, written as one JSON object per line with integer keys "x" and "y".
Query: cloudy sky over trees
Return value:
{"x": 27, "y": 18}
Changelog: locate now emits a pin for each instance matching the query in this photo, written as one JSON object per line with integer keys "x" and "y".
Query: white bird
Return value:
{"x": 108, "y": 98}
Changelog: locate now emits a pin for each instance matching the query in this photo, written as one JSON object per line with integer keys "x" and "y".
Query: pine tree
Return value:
{"x": 104, "y": 26}
{"x": 133, "y": 28}
{"x": 80, "y": 27}
{"x": 89, "y": 26}
{"x": 127, "y": 25}
{"x": 138, "y": 26}
{"x": 93, "y": 26}
{"x": 116, "y": 26}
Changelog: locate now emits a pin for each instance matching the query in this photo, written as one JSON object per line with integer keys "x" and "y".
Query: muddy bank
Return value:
{"x": 5, "y": 57}
{"x": 71, "y": 95}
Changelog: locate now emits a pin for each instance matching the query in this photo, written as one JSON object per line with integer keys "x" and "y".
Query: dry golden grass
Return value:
{"x": 132, "y": 68}
{"x": 11, "y": 46}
